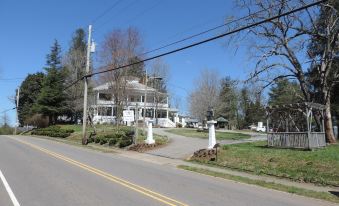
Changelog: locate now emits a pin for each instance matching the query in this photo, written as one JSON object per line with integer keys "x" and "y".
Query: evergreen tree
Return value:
{"x": 252, "y": 109}
{"x": 51, "y": 100}
{"x": 228, "y": 102}
{"x": 29, "y": 92}
{"x": 285, "y": 92}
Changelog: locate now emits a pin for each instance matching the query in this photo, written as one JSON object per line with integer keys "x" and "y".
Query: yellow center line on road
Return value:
{"x": 154, "y": 195}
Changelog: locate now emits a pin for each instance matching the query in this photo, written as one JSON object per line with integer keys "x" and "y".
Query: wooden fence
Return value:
{"x": 302, "y": 140}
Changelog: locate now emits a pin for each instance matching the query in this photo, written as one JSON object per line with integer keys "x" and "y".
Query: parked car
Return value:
{"x": 261, "y": 129}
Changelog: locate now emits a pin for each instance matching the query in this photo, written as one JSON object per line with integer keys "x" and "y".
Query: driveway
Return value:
{"x": 181, "y": 147}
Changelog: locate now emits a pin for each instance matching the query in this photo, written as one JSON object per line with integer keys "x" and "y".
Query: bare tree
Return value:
{"x": 159, "y": 73}
{"x": 280, "y": 47}
{"x": 74, "y": 63}
{"x": 120, "y": 48}
{"x": 4, "y": 120}
{"x": 205, "y": 94}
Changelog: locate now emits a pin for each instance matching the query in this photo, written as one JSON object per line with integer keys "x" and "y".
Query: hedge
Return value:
{"x": 53, "y": 131}
{"x": 122, "y": 136}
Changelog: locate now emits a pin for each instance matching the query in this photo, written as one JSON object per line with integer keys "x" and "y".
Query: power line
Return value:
{"x": 4, "y": 111}
{"x": 196, "y": 44}
{"x": 125, "y": 8}
{"x": 106, "y": 11}
{"x": 144, "y": 11}
{"x": 209, "y": 30}
{"x": 211, "y": 39}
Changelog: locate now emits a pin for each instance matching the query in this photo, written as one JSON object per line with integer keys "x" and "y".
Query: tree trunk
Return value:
{"x": 328, "y": 123}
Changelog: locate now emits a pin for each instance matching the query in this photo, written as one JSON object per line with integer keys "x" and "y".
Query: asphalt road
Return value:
{"x": 44, "y": 172}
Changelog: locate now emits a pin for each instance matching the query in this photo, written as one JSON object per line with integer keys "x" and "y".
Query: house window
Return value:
{"x": 132, "y": 99}
{"x": 161, "y": 113}
{"x": 105, "y": 97}
{"x": 149, "y": 113}
{"x": 142, "y": 98}
{"x": 105, "y": 111}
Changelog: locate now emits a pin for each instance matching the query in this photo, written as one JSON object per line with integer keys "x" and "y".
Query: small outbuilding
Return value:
{"x": 221, "y": 122}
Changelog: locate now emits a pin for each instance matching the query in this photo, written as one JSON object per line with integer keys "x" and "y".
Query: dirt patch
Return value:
{"x": 204, "y": 155}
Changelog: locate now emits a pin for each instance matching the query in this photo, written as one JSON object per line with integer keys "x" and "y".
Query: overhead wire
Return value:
{"x": 197, "y": 43}
{"x": 99, "y": 27}
{"x": 210, "y": 39}
{"x": 4, "y": 111}
{"x": 209, "y": 30}
{"x": 106, "y": 11}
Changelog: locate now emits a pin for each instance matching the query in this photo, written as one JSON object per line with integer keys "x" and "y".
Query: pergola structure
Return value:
{"x": 299, "y": 125}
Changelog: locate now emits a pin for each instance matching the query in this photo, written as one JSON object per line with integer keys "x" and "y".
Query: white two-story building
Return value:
{"x": 157, "y": 104}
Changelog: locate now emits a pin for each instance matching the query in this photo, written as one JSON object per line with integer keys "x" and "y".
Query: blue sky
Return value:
{"x": 30, "y": 27}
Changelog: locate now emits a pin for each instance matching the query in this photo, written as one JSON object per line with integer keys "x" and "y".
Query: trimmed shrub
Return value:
{"x": 96, "y": 140}
{"x": 112, "y": 141}
{"x": 126, "y": 141}
{"x": 90, "y": 140}
{"x": 103, "y": 141}
{"x": 52, "y": 131}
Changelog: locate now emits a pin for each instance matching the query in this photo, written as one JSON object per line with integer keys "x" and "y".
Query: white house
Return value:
{"x": 157, "y": 105}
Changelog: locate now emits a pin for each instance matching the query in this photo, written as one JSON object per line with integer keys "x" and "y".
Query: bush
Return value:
{"x": 90, "y": 140}
{"x": 126, "y": 141}
{"x": 96, "y": 140}
{"x": 179, "y": 125}
{"x": 52, "y": 131}
{"x": 103, "y": 141}
{"x": 4, "y": 130}
{"x": 112, "y": 141}
{"x": 122, "y": 137}
{"x": 37, "y": 120}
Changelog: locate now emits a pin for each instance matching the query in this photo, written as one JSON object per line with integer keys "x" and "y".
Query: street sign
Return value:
{"x": 128, "y": 115}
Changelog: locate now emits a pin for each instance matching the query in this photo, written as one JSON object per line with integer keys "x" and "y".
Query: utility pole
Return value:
{"x": 136, "y": 123}
{"x": 143, "y": 128}
{"x": 84, "y": 118}
{"x": 17, "y": 113}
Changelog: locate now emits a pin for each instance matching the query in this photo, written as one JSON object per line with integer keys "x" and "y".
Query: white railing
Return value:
{"x": 141, "y": 104}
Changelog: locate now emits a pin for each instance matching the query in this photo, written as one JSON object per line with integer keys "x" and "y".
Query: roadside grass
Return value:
{"x": 271, "y": 185}
{"x": 320, "y": 166}
{"x": 204, "y": 135}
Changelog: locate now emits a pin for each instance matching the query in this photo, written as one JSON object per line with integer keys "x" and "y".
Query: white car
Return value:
{"x": 261, "y": 129}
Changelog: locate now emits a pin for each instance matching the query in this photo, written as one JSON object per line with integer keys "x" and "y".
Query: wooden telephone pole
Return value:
{"x": 84, "y": 118}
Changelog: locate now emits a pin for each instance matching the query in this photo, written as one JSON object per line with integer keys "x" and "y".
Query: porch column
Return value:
{"x": 167, "y": 108}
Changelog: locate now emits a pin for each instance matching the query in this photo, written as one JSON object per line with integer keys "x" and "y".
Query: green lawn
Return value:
{"x": 219, "y": 135}
{"x": 320, "y": 166}
{"x": 271, "y": 185}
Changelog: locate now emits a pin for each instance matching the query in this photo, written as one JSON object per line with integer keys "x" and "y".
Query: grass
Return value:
{"x": 204, "y": 135}
{"x": 320, "y": 166}
{"x": 271, "y": 185}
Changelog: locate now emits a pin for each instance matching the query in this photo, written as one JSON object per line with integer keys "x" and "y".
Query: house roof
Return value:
{"x": 192, "y": 120}
{"x": 221, "y": 119}
{"x": 131, "y": 84}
